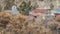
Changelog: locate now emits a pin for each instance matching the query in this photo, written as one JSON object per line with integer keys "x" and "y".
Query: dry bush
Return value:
{"x": 4, "y": 18}
{"x": 20, "y": 24}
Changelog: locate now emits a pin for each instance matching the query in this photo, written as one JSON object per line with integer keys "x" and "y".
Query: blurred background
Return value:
{"x": 27, "y": 5}
{"x": 29, "y": 16}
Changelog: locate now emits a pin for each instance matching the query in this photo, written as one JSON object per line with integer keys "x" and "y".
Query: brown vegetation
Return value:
{"x": 20, "y": 24}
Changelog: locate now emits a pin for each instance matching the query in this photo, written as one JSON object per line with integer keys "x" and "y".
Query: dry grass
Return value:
{"x": 20, "y": 24}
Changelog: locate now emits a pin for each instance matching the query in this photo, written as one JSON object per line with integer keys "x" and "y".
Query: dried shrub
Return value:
{"x": 20, "y": 24}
